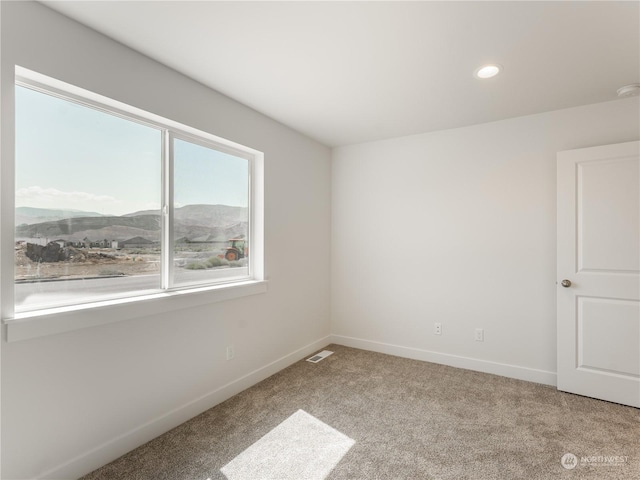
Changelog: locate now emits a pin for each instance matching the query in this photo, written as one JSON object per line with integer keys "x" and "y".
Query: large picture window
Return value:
{"x": 111, "y": 205}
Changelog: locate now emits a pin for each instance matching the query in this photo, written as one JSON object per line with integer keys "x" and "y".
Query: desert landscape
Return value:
{"x": 68, "y": 244}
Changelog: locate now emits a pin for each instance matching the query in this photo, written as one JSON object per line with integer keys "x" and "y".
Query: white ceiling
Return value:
{"x": 349, "y": 72}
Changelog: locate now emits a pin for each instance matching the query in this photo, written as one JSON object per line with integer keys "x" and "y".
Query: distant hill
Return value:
{"x": 203, "y": 214}
{"x": 115, "y": 232}
{"x": 191, "y": 223}
{"x": 69, "y": 226}
{"x": 30, "y": 215}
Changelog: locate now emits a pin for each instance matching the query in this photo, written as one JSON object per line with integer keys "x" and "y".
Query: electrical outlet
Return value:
{"x": 437, "y": 328}
{"x": 231, "y": 352}
{"x": 479, "y": 335}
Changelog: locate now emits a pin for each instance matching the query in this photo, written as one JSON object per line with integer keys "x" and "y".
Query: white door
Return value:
{"x": 599, "y": 264}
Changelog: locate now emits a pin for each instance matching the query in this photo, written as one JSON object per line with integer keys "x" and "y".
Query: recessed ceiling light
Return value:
{"x": 488, "y": 71}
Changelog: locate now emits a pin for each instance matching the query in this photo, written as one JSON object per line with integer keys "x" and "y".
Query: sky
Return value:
{"x": 73, "y": 157}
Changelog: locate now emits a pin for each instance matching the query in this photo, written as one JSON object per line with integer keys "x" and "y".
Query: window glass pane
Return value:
{"x": 88, "y": 195}
{"x": 211, "y": 215}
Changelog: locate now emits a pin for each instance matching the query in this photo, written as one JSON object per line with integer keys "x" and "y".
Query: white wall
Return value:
{"x": 459, "y": 227}
{"x": 87, "y": 396}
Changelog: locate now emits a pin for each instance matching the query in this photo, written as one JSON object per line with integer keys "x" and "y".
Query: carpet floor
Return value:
{"x": 409, "y": 420}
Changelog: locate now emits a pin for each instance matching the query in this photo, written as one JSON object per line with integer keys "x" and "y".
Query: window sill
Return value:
{"x": 66, "y": 319}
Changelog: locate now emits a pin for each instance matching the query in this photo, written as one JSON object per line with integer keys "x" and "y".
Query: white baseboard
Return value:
{"x": 485, "y": 366}
{"x": 116, "y": 447}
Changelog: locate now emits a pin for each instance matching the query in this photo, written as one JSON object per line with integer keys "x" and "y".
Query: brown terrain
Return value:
{"x": 200, "y": 232}
{"x": 87, "y": 262}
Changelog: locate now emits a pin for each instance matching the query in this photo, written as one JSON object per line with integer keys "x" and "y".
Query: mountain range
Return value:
{"x": 191, "y": 223}
{"x": 30, "y": 215}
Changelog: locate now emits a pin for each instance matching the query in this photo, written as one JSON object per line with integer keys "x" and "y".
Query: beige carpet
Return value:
{"x": 300, "y": 447}
{"x": 409, "y": 420}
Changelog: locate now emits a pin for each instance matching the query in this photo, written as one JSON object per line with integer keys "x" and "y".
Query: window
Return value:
{"x": 112, "y": 202}
{"x": 210, "y": 213}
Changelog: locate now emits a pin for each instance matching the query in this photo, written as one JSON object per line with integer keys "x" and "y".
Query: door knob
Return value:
{"x": 566, "y": 283}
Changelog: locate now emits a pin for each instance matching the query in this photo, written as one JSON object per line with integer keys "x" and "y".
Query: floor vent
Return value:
{"x": 319, "y": 356}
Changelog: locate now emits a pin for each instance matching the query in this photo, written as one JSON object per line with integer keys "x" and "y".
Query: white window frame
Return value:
{"x": 35, "y": 323}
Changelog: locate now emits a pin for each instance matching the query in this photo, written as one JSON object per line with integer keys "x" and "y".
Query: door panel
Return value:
{"x": 599, "y": 252}
{"x": 608, "y": 333}
{"x": 608, "y": 215}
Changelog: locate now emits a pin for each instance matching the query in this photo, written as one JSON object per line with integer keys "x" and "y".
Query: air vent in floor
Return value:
{"x": 319, "y": 356}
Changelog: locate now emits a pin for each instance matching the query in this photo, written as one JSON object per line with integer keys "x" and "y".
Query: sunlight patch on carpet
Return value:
{"x": 301, "y": 447}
